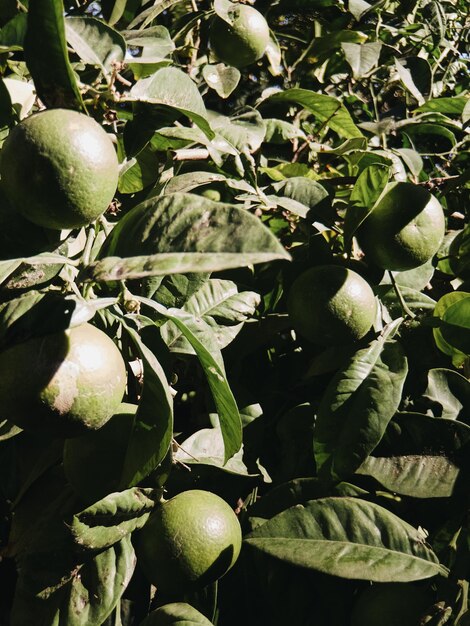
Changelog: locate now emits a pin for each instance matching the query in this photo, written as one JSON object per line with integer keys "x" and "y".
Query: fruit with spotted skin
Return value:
{"x": 331, "y": 305}
{"x": 243, "y": 40}
{"x": 65, "y": 383}
{"x": 59, "y": 169}
{"x": 404, "y": 230}
{"x": 189, "y": 541}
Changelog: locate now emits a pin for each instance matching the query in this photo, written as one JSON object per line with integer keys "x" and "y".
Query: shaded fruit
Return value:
{"x": 404, "y": 230}
{"x": 59, "y": 169}
{"x": 189, "y": 541}
{"x": 391, "y": 604}
{"x": 93, "y": 463}
{"x": 242, "y": 41}
{"x": 176, "y": 613}
{"x": 64, "y": 383}
{"x": 331, "y": 305}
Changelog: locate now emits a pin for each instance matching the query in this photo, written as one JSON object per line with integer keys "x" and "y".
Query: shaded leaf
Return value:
{"x": 418, "y": 476}
{"x": 153, "y": 426}
{"x": 449, "y": 390}
{"x": 106, "y": 522}
{"x": 350, "y": 538}
{"x": 357, "y": 406}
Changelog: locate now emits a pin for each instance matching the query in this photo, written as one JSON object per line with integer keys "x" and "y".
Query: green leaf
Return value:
{"x": 350, "y": 538}
{"x": 280, "y": 131}
{"x": 415, "y": 73}
{"x": 152, "y": 432}
{"x": 453, "y": 334}
{"x": 362, "y": 57}
{"x": 206, "y": 447}
{"x": 176, "y": 614}
{"x": 172, "y": 87}
{"x": 418, "y": 476}
{"x": 182, "y": 233}
{"x": 95, "y": 42}
{"x": 312, "y": 197}
{"x": 358, "y": 8}
{"x": 448, "y": 106}
{"x": 449, "y": 390}
{"x": 13, "y": 33}
{"x": 222, "y": 79}
{"x": 357, "y": 406}
{"x": 149, "y": 15}
{"x": 221, "y": 307}
{"x": 8, "y": 430}
{"x": 212, "y": 363}
{"x": 416, "y": 301}
{"x": 45, "y": 50}
{"x": 113, "y": 10}
{"x": 326, "y": 109}
{"x": 191, "y": 180}
{"x": 366, "y": 191}
{"x": 84, "y": 593}
{"x": 106, "y": 522}
{"x": 245, "y": 131}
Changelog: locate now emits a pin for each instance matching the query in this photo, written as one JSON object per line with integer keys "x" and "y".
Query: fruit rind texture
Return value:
{"x": 63, "y": 384}
{"x": 59, "y": 169}
{"x": 404, "y": 230}
{"x": 331, "y": 305}
{"x": 189, "y": 541}
{"x": 242, "y": 42}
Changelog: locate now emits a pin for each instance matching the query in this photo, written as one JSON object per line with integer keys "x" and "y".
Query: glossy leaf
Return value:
{"x": 45, "y": 50}
{"x": 212, "y": 363}
{"x": 326, "y": 109}
{"x": 171, "y": 87}
{"x": 350, "y": 538}
{"x": 95, "y": 42}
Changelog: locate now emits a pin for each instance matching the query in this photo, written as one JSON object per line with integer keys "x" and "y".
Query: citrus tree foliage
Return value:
{"x": 347, "y": 464}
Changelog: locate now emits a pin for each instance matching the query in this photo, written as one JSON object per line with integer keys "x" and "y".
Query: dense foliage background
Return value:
{"x": 287, "y": 157}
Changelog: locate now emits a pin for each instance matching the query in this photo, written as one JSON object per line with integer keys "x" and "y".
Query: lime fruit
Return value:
{"x": 64, "y": 383}
{"x": 59, "y": 169}
{"x": 243, "y": 39}
{"x": 93, "y": 463}
{"x": 391, "y": 604}
{"x": 331, "y": 305}
{"x": 404, "y": 230}
{"x": 189, "y": 541}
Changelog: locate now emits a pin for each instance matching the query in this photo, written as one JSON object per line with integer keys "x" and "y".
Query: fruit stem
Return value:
{"x": 408, "y": 312}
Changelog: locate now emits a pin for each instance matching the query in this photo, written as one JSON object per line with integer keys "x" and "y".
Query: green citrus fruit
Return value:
{"x": 331, "y": 305}
{"x": 189, "y": 541}
{"x": 176, "y": 613}
{"x": 64, "y": 383}
{"x": 93, "y": 463}
{"x": 404, "y": 230}
{"x": 243, "y": 40}
{"x": 391, "y": 604}
{"x": 59, "y": 169}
